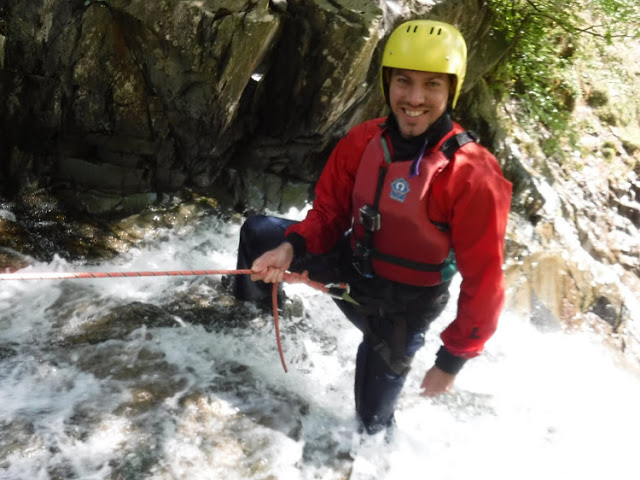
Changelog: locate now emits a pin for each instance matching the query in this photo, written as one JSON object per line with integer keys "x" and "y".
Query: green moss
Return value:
{"x": 597, "y": 98}
{"x": 547, "y": 42}
{"x": 609, "y": 153}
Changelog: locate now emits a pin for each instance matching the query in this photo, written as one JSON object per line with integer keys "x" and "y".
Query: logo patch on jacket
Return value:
{"x": 399, "y": 189}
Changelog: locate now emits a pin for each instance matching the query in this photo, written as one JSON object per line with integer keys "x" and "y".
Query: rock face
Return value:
{"x": 116, "y": 102}
{"x": 578, "y": 264}
{"x": 111, "y": 106}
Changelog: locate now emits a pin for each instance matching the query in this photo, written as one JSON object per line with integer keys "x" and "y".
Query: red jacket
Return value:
{"x": 470, "y": 195}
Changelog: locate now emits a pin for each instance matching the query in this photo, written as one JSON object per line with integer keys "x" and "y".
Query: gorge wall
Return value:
{"x": 115, "y": 106}
{"x": 114, "y": 103}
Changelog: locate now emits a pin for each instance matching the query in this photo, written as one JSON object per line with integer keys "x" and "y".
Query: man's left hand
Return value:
{"x": 271, "y": 265}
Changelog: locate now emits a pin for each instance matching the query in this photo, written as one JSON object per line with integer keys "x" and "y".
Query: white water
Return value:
{"x": 535, "y": 405}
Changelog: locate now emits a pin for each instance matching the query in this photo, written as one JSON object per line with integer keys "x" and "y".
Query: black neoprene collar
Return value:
{"x": 408, "y": 148}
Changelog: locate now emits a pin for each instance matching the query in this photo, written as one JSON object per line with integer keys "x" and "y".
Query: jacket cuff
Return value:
{"x": 449, "y": 363}
{"x": 298, "y": 243}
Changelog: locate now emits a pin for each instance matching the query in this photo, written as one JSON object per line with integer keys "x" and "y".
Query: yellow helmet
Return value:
{"x": 429, "y": 46}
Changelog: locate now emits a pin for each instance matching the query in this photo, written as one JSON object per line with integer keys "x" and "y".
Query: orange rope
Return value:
{"x": 79, "y": 275}
{"x": 289, "y": 277}
{"x": 274, "y": 299}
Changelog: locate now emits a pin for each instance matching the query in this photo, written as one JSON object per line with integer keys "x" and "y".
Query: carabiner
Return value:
{"x": 340, "y": 291}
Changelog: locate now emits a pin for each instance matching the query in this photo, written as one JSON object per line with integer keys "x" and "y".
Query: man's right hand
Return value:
{"x": 270, "y": 266}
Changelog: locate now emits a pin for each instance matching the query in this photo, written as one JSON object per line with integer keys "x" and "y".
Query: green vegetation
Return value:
{"x": 543, "y": 37}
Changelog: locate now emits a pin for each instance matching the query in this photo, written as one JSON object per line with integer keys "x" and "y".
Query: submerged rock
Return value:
{"x": 118, "y": 323}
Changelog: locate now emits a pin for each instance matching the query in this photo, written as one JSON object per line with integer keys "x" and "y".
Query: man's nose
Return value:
{"x": 416, "y": 95}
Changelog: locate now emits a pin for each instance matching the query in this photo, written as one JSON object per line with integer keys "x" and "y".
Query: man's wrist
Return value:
{"x": 287, "y": 245}
{"x": 448, "y": 362}
{"x": 298, "y": 243}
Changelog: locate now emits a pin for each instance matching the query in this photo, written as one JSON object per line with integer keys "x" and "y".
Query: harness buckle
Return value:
{"x": 340, "y": 291}
{"x": 369, "y": 218}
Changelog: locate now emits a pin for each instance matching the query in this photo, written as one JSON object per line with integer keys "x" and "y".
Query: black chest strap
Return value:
{"x": 451, "y": 145}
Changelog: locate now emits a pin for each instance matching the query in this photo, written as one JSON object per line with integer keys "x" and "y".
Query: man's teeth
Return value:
{"x": 414, "y": 113}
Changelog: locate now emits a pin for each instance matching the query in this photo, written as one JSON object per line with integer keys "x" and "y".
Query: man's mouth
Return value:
{"x": 413, "y": 113}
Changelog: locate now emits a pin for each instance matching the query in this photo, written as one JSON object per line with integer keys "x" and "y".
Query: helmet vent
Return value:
{"x": 415, "y": 29}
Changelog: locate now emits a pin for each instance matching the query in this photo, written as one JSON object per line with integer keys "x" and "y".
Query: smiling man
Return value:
{"x": 402, "y": 204}
{"x": 418, "y": 99}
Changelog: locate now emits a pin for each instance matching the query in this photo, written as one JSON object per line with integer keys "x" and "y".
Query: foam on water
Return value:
{"x": 535, "y": 405}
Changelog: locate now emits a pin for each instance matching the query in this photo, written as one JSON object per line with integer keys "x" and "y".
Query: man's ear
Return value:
{"x": 453, "y": 81}
{"x": 386, "y": 81}
{"x": 387, "y": 71}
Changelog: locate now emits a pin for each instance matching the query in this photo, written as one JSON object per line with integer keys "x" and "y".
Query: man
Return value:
{"x": 401, "y": 203}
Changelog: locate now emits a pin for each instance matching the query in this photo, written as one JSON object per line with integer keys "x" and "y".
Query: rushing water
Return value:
{"x": 191, "y": 386}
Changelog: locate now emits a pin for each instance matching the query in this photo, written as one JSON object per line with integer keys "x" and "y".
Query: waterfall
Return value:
{"x": 170, "y": 378}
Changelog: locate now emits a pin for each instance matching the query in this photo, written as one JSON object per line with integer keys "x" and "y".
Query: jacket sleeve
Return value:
{"x": 330, "y": 215}
{"x": 479, "y": 199}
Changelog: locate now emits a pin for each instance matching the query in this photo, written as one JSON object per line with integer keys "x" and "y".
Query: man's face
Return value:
{"x": 417, "y": 99}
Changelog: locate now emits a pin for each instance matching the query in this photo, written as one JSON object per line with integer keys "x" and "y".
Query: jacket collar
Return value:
{"x": 406, "y": 149}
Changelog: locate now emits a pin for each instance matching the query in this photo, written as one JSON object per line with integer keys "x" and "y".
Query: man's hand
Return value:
{"x": 436, "y": 382}
{"x": 271, "y": 265}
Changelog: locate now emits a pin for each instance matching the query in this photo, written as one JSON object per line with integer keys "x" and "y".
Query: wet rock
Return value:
{"x": 294, "y": 307}
{"x": 210, "y": 308}
{"x": 130, "y": 102}
{"x": 145, "y": 373}
{"x": 61, "y": 471}
{"x": 118, "y": 323}
{"x": 542, "y": 317}
{"x": 2, "y": 43}
{"x": 38, "y": 226}
{"x": 7, "y": 350}
{"x": 222, "y": 429}
{"x": 17, "y": 436}
{"x": 526, "y": 197}
{"x": 41, "y": 227}
{"x": 603, "y": 309}
{"x": 11, "y": 260}
{"x": 135, "y": 462}
{"x": 258, "y": 403}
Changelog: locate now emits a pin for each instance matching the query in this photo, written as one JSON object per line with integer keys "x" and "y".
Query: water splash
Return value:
{"x": 205, "y": 397}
